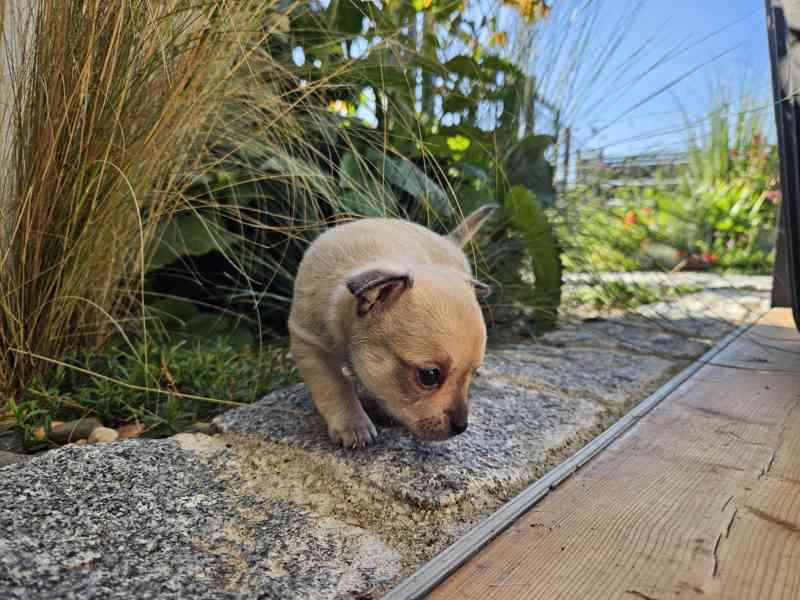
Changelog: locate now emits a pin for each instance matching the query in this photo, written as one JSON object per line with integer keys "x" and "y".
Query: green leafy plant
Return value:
{"x": 720, "y": 215}
{"x": 166, "y": 386}
{"x": 364, "y": 148}
{"x": 623, "y": 295}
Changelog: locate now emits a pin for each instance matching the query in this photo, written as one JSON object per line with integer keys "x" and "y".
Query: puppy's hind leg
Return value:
{"x": 334, "y": 396}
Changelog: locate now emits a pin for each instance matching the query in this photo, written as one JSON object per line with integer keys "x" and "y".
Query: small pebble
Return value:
{"x": 74, "y": 430}
{"x": 130, "y": 430}
{"x": 103, "y": 435}
{"x": 201, "y": 427}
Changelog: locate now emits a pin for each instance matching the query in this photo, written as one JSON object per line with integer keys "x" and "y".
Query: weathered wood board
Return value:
{"x": 699, "y": 499}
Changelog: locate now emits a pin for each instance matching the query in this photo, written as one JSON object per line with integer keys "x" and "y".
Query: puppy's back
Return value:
{"x": 347, "y": 247}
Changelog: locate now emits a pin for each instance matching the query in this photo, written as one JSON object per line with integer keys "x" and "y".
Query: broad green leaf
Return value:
{"x": 525, "y": 165}
{"x": 474, "y": 171}
{"x": 436, "y": 145}
{"x": 470, "y": 199}
{"x": 207, "y": 327}
{"x": 411, "y": 179}
{"x": 174, "y": 312}
{"x": 494, "y": 64}
{"x": 247, "y": 194}
{"x": 362, "y": 192}
{"x": 190, "y": 234}
{"x": 457, "y": 103}
{"x": 429, "y": 64}
{"x": 381, "y": 76}
{"x": 526, "y": 215}
{"x": 349, "y": 16}
{"x": 463, "y": 65}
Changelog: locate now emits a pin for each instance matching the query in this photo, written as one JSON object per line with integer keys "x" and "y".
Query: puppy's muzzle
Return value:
{"x": 456, "y": 428}
{"x": 459, "y": 421}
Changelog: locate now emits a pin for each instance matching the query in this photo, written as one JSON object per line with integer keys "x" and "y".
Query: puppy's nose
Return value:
{"x": 457, "y": 427}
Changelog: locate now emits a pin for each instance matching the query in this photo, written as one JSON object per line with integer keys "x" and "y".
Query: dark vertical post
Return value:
{"x": 783, "y": 25}
{"x": 567, "y": 150}
{"x": 557, "y": 137}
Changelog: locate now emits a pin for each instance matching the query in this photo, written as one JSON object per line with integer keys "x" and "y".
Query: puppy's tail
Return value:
{"x": 470, "y": 226}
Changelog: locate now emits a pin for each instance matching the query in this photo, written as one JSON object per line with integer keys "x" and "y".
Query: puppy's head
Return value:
{"x": 416, "y": 342}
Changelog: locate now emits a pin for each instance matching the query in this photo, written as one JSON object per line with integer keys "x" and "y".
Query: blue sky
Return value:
{"x": 690, "y": 46}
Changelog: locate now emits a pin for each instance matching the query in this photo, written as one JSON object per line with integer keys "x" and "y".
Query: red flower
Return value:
{"x": 709, "y": 258}
{"x": 773, "y": 196}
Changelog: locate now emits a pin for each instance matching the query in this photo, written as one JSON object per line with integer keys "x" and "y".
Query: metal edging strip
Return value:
{"x": 439, "y": 568}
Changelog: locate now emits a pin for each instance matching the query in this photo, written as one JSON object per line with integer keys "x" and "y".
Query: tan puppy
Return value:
{"x": 395, "y": 304}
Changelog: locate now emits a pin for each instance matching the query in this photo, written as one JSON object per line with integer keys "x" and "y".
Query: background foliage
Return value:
{"x": 401, "y": 111}
{"x": 721, "y": 213}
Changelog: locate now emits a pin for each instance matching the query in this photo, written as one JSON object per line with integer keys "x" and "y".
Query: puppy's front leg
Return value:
{"x": 335, "y": 397}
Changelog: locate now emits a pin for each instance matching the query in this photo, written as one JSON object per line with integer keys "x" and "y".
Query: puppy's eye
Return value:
{"x": 428, "y": 378}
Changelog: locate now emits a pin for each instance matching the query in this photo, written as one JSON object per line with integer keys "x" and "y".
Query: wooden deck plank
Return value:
{"x": 700, "y": 499}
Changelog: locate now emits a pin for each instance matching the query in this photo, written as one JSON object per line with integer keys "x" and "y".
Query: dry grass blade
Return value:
{"x": 108, "y": 100}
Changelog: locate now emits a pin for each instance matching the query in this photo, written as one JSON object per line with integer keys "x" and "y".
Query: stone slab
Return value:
{"x": 628, "y": 334}
{"x": 511, "y": 429}
{"x": 607, "y": 377}
{"x": 150, "y": 519}
{"x": 709, "y": 314}
{"x": 680, "y": 329}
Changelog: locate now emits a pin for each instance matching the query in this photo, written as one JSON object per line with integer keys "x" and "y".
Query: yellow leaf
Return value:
{"x": 530, "y": 9}
{"x": 339, "y": 106}
{"x": 499, "y": 38}
{"x": 420, "y": 5}
{"x": 458, "y": 143}
{"x": 543, "y": 10}
{"x": 525, "y": 8}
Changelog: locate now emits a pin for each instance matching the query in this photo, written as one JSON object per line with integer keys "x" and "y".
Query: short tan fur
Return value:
{"x": 395, "y": 304}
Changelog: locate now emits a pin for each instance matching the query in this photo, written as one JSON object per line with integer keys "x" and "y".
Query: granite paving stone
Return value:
{"x": 150, "y": 519}
{"x": 511, "y": 428}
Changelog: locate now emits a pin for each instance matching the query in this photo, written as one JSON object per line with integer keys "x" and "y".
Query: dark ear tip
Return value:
{"x": 363, "y": 282}
{"x": 484, "y": 211}
{"x": 481, "y": 289}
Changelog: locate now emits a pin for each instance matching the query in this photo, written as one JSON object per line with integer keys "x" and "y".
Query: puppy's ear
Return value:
{"x": 377, "y": 287}
{"x": 469, "y": 227}
{"x": 481, "y": 289}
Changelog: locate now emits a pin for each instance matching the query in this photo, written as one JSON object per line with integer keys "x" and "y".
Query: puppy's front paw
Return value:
{"x": 356, "y": 432}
